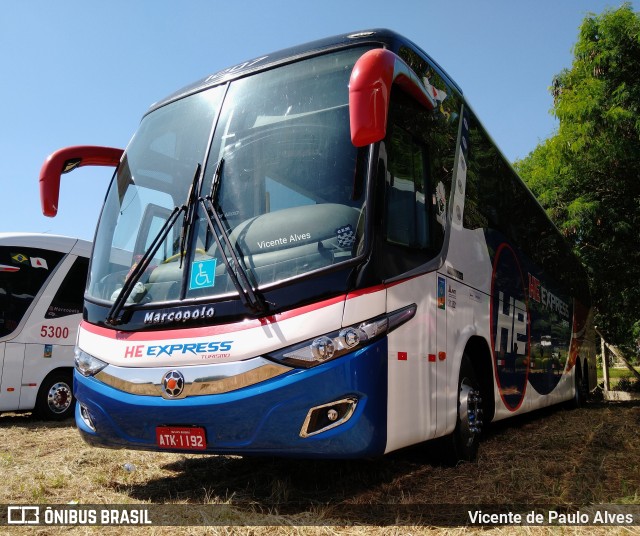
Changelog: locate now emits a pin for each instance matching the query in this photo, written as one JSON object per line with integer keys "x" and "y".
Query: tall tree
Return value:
{"x": 587, "y": 175}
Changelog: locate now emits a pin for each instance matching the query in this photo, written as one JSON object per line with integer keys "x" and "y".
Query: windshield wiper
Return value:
{"x": 190, "y": 212}
{"x": 189, "y": 209}
{"x": 237, "y": 272}
{"x": 215, "y": 182}
{"x": 213, "y": 196}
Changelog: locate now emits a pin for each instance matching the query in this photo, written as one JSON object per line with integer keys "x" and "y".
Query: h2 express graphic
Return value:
{"x": 510, "y": 327}
{"x": 531, "y": 328}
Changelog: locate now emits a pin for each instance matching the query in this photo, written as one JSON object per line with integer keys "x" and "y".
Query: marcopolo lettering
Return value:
{"x": 179, "y": 315}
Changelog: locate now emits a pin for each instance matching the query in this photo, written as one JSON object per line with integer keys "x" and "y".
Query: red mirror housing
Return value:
{"x": 66, "y": 160}
{"x": 369, "y": 90}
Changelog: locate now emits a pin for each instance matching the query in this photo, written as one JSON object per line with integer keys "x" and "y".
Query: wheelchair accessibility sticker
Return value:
{"x": 203, "y": 274}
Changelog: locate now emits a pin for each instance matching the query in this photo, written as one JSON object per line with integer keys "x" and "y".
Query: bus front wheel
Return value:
{"x": 462, "y": 444}
{"x": 55, "y": 400}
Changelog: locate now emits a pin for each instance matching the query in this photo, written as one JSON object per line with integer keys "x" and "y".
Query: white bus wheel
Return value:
{"x": 55, "y": 397}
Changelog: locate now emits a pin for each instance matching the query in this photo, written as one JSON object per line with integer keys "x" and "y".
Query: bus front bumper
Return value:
{"x": 334, "y": 410}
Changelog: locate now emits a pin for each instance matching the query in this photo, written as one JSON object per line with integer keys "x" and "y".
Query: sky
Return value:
{"x": 82, "y": 72}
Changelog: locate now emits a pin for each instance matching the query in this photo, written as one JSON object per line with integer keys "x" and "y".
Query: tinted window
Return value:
{"x": 496, "y": 199}
{"x": 23, "y": 271}
{"x": 70, "y": 295}
{"x": 415, "y": 176}
{"x": 289, "y": 185}
{"x": 406, "y": 211}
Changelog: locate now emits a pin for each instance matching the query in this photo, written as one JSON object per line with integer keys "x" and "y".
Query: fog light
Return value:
{"x": 86, "y": 417}
{"x": 328, "y": 416}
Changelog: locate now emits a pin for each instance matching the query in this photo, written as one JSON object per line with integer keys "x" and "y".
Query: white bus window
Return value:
{"x": 70, "y": 295}
{"x": 23, "y": 271}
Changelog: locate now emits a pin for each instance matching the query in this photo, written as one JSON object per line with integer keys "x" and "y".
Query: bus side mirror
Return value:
{"x": 66, "y": 160}
{"x": 369, "y": 89}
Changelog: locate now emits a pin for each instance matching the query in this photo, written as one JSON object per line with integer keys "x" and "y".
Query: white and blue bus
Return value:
{"x": 42, "y": 281}
{"x": 320, "y": 253}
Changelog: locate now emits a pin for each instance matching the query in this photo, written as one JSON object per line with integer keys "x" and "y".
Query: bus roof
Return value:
{"x": 380, "y": 36}
{"x": 64, "y": 244}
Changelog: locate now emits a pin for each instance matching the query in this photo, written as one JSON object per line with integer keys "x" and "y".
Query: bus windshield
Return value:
{"x": 287, "y": 182}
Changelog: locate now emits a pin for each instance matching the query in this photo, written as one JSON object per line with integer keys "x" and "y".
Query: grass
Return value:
{"x": 621, "y": 379}
{"x": 553, "y": 457}
{"x": 616, "y": 373}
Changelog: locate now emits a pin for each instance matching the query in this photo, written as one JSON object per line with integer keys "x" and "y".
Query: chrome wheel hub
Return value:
{"x": 59, "y": 397}
{"x": 470, "y": 413}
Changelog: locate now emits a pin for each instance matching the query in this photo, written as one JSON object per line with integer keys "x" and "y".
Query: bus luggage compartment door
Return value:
{"x": 11, "y": 380}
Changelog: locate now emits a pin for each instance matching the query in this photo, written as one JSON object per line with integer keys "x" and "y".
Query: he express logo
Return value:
{"x": 549, "y": 300}
{"x": 195, "y": 348}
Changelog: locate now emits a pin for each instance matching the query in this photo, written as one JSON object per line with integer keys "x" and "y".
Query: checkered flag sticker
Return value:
{"x": 346, "y": 236}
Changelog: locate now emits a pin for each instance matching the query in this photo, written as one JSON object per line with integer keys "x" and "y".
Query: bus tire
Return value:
{"x": 581, "y": 388}
{"x": 462, "y": 444}
{"x": 55, "y": 400}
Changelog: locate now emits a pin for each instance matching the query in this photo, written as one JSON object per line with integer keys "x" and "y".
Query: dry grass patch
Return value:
{"x": 555, "y": 457}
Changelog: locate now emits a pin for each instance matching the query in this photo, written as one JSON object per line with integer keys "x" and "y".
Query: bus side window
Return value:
{"x": 23, "y": 271}
{"x": 406, "y": 212}
{"x": 70, "y": 295}
{"x": 417, "y": 158}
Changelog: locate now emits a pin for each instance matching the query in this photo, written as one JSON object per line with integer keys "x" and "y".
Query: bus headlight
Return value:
{"x": 332, "y": 345}
{"x": 86, "y": 364}
{"x": 351, "y": 337}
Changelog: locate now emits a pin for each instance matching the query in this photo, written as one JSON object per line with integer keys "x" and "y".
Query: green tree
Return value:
{"x": 587, "y": 175}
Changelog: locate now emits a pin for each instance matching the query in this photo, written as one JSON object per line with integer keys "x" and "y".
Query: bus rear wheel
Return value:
{"x": 581, "y": 387}
{"x": 55, "y": 398}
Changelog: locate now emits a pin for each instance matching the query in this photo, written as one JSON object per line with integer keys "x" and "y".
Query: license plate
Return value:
{"x": 181, "y": 437}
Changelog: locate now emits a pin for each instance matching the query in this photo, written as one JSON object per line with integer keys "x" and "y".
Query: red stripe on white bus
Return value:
{"x": 204, "y": 331}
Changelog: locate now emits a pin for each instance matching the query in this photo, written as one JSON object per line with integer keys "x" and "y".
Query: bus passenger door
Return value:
{"x": 50, "y": 332}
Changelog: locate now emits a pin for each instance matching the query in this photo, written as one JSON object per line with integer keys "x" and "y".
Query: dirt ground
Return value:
{"x": 555, "y": 459}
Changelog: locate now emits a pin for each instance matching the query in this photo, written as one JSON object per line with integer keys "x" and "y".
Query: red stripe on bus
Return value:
{"x": 222, "y": 328}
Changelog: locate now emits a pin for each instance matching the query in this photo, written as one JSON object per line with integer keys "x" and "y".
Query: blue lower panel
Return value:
{"x": 264, "y": 419}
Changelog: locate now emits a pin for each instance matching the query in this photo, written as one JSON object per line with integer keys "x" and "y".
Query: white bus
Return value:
{"x": 42, "y": 282}
{"x": 320, "y": 252}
